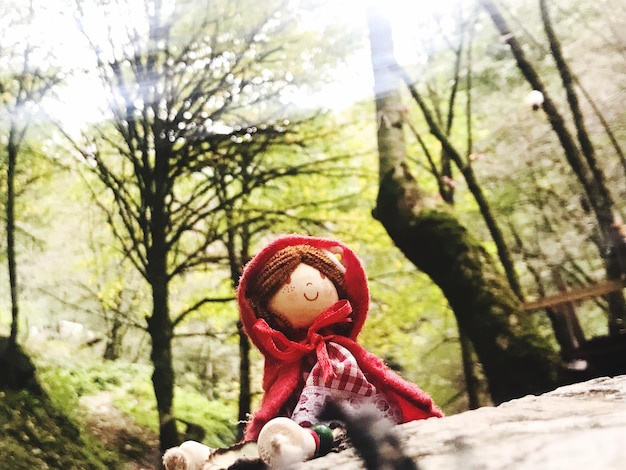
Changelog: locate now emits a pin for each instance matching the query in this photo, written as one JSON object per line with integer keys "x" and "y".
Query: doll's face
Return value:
{"x": 305, "y": 295}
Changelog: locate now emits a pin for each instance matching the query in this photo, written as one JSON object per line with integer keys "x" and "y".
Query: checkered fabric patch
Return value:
{"x": 348, "y": 377}
{"x": 348, "y": 386}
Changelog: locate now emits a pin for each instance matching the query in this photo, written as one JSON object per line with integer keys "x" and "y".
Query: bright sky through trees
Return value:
{"x": 82, "y": 99}
{"x": 354, "y": 80}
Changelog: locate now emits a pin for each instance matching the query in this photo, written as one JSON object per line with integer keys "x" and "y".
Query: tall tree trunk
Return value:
{"x": 515, "y": 358}
{"x": 237, "y": 258}
{"x": 244, "y": 381}
{"x": 12, "y": 148}
{"x": 586, "y": 169}
{"x": 161, "y": 332}
{"x": 114, "y": 339}
{"x": 17, "y": 372}
{"x": 160, "y": 325}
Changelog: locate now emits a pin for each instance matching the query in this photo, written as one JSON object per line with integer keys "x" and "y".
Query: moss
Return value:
{"x": 34, "y": 435}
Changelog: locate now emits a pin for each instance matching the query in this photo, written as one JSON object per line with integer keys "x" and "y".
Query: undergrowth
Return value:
{"x": 35, "y": 435}
{"x": 50, "y": 432}
{"x": 131, "y": 391}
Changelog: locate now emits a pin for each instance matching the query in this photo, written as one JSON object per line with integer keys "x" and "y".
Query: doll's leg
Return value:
{"x": 190, "y": 455}
{"x": 282, "y": 442}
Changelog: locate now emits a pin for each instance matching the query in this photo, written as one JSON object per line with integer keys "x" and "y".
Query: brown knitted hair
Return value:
{"x": 277, "y": 271}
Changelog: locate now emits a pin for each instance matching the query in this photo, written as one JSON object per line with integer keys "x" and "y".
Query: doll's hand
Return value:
{"x": 190, "y": 455}
{"x": 282, "y": 443}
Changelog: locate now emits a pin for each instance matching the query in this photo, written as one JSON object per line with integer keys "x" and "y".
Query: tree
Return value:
{"x": 516, "y": 359}
{"x": 440, "y": 108}
{"x": 26, "y": 80}
{"x": 192, "y": 95}
{"x": 579, "y": 152}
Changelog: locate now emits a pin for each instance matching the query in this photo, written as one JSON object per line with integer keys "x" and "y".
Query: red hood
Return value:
{"x": 356, "y": 281}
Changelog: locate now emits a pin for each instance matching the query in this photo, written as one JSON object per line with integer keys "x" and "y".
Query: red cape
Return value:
{"x": 282, "y": 379}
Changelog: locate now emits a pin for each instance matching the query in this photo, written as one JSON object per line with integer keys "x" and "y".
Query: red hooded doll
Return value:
{"x": 303, "y": 301}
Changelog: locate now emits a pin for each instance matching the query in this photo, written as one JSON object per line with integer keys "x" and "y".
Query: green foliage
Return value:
{"x": 131, "y": 392}
{"x": 35, "y": 435}
{"x": 67, "y": 382}
{"x": 216, "y": 416}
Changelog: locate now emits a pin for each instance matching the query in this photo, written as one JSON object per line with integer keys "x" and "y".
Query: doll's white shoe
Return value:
{"x": 282, "y": 443}
{"x": 190, "y": 455}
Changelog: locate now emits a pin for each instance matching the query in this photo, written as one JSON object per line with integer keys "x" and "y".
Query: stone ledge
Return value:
{"x": 579, "y": 426}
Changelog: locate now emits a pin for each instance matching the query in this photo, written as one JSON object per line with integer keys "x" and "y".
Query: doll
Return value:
{"x": 303, "y": 301}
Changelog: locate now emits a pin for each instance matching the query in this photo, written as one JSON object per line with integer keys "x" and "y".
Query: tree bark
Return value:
{"x": 114, "y": 339}
{"x": 160, "y": 325}
{"x": 244, "y": 381}
{"x": 515, "y": 358}
{"x": 12, "y": 150}
{"x": 161, "y": 332}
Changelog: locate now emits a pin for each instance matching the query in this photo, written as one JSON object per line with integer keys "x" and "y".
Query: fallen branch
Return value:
{"x": 587, "y": 292}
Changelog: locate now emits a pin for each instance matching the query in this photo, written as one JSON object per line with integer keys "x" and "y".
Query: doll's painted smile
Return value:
{"x": 312, "y": 298}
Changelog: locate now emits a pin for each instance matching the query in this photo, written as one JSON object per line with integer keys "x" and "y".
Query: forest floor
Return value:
{"x": 136, "y": 445}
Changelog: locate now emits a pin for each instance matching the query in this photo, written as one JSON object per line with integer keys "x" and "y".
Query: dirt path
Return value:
{"x": 118, "y": 432}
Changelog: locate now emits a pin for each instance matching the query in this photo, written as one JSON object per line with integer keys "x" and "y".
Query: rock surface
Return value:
{"x": 580, "y": 426}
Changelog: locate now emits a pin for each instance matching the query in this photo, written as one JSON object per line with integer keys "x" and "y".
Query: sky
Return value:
{"x": 353, "y": 81}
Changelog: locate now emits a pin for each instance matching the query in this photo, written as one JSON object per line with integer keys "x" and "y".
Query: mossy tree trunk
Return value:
{"x": 515, "y": 358}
